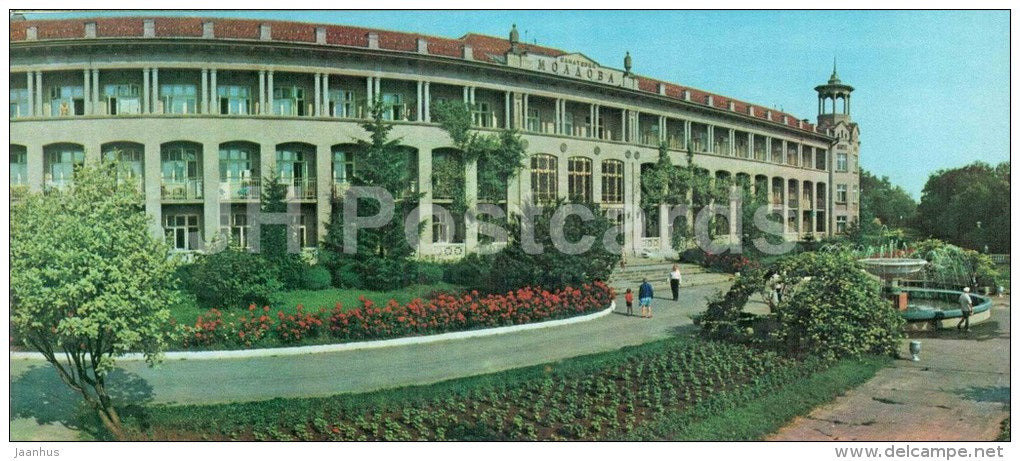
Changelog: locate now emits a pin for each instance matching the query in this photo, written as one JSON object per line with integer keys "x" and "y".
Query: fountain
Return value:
{"x": 891, "y": 269}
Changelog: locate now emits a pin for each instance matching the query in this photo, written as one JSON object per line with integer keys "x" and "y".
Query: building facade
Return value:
{"x": 200, "y": 110}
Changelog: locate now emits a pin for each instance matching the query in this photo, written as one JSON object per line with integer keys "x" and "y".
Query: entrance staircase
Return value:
{"x": 657, "y": 272}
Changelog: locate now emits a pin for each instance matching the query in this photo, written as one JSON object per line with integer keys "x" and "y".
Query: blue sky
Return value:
{"x": 932, "y": 87}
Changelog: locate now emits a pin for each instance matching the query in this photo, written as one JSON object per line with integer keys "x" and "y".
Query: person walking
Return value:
{"x": 674, "y": 282}
{"x": 645, "y": 298}
{"x": 966, "y": 308}
{"x": 629, "y": 298}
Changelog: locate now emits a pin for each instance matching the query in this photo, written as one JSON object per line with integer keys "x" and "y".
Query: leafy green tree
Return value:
{"x": 954, "y": 201}
{"x": 89, "y": 282}
{"x": 382, "y": 257}
{"x": 539, "y": 262}
{"x": 273, "y": 237}
{"x": 887, "y": 203}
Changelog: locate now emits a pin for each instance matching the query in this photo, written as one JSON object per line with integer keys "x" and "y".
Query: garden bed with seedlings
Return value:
{"x": 598, "y": 397}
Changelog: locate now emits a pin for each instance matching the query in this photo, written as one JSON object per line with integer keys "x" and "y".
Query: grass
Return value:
{"x": 763, "y": 416}
{"x": 1004, "y": 431}
{"x": 188, "y": 310}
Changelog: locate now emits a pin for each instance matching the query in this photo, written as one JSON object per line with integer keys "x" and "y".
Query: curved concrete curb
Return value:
{"x": 300, "y": 350}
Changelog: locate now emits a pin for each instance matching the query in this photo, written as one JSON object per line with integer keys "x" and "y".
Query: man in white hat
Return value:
{"x": 966, "y": 308}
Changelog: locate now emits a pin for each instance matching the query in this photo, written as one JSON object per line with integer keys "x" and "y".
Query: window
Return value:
{"x": 19, "y": 165}
{"x": 482, "y": 116}
{"x": 235, "y": 225}
{"x": 295, "y": 163}
{"x": 534, "y": 122}
{"x": 543, "y": 177}
{"x": 820, "y": 159}
{"x": 67, "y": 100}
{"x": 840, "y": 224}
{"x": 841, "y": 163}
{"x": 179, "y": 99}
{"x": 342, "y": 104}
{"x": 820, "y": 221}
{"x": 612, "y": 181}
{"x": 442, "y": 228}
{"x": 579, "y": 179}
{"x": 122, "y": 99}
{"x": 60, "y": 162}
{"x": 19, "y": 103}
{"x": 343, "y": 166}
{"x": 234, "y": 99}
{"x": 393, "y": 106}
{"x": 289, "y": 101}
{"x": 791, "y": 155}
{"x": 238, "y": 161}
{"x": 182, "y": 231}
{"x": 131, "y": 158}
{"x": 841, "y": 193}
{"x": 568, "y": 124}
{"x": 179, "y": 163}
{"x": 302, "y": 223}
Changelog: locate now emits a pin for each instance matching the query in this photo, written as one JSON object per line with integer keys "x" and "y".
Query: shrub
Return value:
{"x": 315, "y": 278}
{"x": 233, "y": 278}
{"x": 293, "y": 328}
{"x": 429, "y": 273}
{"x": 468, "y": 271}
{"x": 832, "y": 309}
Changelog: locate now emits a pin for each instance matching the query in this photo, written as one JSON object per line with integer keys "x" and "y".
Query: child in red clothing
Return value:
{"x": 629, "y": 297}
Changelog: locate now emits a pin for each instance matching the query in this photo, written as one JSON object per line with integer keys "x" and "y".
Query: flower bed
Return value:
{"x": 443, "y": 313}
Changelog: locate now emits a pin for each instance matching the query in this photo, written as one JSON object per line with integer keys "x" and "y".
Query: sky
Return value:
{"x": 932, "y": 87}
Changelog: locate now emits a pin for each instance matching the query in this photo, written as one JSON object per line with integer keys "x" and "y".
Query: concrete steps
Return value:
{"x": 657, "y": 273}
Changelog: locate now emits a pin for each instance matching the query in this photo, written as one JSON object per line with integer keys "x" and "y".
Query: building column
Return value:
{"x": 591, "y": 121}
{"x": 154, "y": 99}
{"x": 146, "y": 91}
{"x": 638, "y": 217}
{"x": 687, "y": 134}
{"x": 324, "y": 188}
{"x": 418, "y": 112}
{"x": 596, "y": 181}
{"x": 153, "y": 188}
{"x": 210, "y": 191}
{"x": 317, "y": 110}
{"x": 733, "y": 143}
{"x": 325, "y": 96}
{"x": 40, "y": 111}
{"x": 558, "y": 117}
{"x": 665, "y": 242}
{"x": 507, "y": 124}
{"x": 562, "y": 176}
{"x": 782, "y": 157}
{"x": 786, "y": 206}
{"x": 214, "y": 106}
{"x": 377, "y": 92}
{"x": 204, "y": 106}
{"x": 425, "y": 202}
{"x": 662, "y": 129}
{"x": 31, "y": 93}
{"x": 630, "y": 208}
{"x": 525, "y": 115}
{"x": 267, "y": 159}
{"x": 624, "y": 125}
{"x": 768, "y": 149}
{"x": 34, "y": 173}
{"x": 428, "y": 118}
{"x": 262, "y": 94}
{"x": 269, "y": 92}
{"x": 734, "y": 232}
{"x": 86, "y": 87}
{"x": 471, "y": 200}
{"x": 711, "y": 140}
{"x": 95, "y": 89}
{"x": 750, "y": 147}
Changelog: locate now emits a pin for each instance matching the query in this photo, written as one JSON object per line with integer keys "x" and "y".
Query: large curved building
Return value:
{"x": 200, "y": 109}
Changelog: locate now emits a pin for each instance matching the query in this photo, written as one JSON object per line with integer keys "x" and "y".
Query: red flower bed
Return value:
{"x": 443, "y": 313}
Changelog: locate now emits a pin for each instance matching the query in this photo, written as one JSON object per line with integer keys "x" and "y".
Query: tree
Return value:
{"x": 955, "y": 201}
{"x": 885, "y": 202}
{"x": 382, "y": 257}
{"x": 89, "y": 282}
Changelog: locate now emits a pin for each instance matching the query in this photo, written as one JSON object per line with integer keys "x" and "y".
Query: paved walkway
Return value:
{"x": 37, "y": 393}
{"x": 958, "y": 391}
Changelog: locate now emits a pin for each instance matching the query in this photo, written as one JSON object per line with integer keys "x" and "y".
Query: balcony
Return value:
{"x": 794, "y": 203}
{"x": 676, "y": 143}
{"x": 777, "y": 200}
{"x": 301, "y": 189}
{"x": 650, "y": 139}
{"x": 181, "y": 189}
{"x": 820, "y": 203}
{"x": 241, "y": 189}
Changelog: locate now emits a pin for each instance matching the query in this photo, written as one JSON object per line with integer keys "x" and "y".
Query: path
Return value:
{"x": 958, "y": 391}
{"x": 36, "y": 391}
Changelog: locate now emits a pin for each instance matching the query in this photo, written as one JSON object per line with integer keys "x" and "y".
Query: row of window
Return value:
{"x": 183, "y": 230}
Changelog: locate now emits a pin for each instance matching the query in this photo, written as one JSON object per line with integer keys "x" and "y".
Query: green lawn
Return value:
{"x": 188, "y": 311}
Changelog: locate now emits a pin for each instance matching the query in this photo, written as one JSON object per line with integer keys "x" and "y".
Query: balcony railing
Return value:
{"x": 447, "y": 251}
{"x": 340, "y": 188}
{"x": 241, "y": 189}
{"x": 301, "y": 189}
{"x": 794, "y": 203}
{"x": 187, "y": 189}
{"x": 650, "y": 139}
{"x": 777, "y": 200}
{"x": 676, "y": 143}
{"x": 58, "y": 183}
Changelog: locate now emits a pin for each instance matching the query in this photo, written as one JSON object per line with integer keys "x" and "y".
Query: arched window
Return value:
{"x": 181, "y": 170}
{"x": 543, "y": 177}
{"x": 19, "y": 165}
{"x": 131, "y": 157}
{"x": 579, "y": 173}
{"x": 295, "y": 164}
{"x": 612, "y": 182}
{"x": 239, "y": 170}
{"x": 59, "y": 162}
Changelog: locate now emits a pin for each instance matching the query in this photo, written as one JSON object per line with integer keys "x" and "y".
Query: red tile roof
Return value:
{"x": 484, "y": 48}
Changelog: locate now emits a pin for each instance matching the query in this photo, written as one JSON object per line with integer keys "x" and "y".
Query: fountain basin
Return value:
{"x": 891, "y": 268}
{"x": 931, "y": 308}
